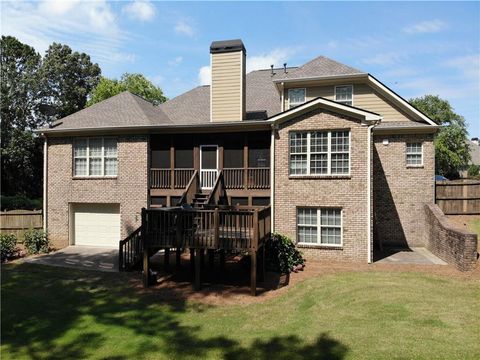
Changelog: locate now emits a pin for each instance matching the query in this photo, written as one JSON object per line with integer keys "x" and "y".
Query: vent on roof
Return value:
{"x": 227, "y": 92}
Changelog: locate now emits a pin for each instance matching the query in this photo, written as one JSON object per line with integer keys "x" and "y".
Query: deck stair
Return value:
{"x": 200, "y": 200}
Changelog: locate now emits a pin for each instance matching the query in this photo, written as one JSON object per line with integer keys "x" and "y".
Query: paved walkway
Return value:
{"x": 414, "y": 255}
{"x": 80, "y": 257}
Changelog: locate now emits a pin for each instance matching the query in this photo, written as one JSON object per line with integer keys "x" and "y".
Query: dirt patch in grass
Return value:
{"x": 232, "y": 287}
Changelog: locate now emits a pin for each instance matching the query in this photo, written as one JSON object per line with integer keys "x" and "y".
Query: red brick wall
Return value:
{"x": 129, "y": 188}
{"x": 456, "y": 246}
{"x": 348, "y": 193}
{"x": 401, "y": 192}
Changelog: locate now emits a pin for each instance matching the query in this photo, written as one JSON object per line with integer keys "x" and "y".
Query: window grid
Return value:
{"x": 344, "y": 94}
{"x": 414, "y": 154}
{"x": 321, "y": 226}
{"x": 311, "y": 158}
{"x": 95, "y": 157}
{"x": 296, "y": 97}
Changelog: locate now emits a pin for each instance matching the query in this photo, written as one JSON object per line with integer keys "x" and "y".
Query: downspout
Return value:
{"x": 272, "y": 178}
{"x": 369, "y": 192}
{"x": 45, "y": 180}
{"x": 283, "y": 97}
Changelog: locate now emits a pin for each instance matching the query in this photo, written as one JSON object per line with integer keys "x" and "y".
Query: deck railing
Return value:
{"x": 165, "y": 178}
{"x": 229, "y": 229}
{"x": 249, "y": 178}
{"x": 130, "y": 250}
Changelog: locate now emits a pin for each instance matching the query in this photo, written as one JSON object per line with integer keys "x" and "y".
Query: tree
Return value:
{"x": 68, "y": 78}
{"x": 135, "y": 83}
{"x": 29, "y": 84}
{"x": 451, "y": 143}
{"x": 20, "y": 102}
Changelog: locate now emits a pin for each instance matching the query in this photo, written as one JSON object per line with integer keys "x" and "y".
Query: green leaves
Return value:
{"x": 282, "y": 256}
{"x": 135, "y": 83}
{"x": 36, "y": 241}
{"x": 451, "y": 142}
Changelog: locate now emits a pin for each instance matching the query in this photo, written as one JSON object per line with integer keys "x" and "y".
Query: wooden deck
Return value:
{"x": 220, "y": 228}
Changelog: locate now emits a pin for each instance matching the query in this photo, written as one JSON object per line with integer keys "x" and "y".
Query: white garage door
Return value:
{"x": 96, "y": 224}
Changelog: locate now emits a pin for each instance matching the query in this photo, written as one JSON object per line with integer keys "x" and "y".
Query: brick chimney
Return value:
{"x": 227, "y": 91}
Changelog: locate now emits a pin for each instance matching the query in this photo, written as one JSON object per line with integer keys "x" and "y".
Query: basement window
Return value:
{"x": 319, "y": 226}
{"x": 95, "y": 157}
{"x": 344, "y": 94}
{"x": 296, "y": 97}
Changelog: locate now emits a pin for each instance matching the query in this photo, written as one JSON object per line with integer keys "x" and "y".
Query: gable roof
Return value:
{"x": 124, "y": 109}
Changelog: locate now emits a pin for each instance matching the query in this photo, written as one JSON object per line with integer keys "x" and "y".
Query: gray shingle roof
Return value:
{"x": 193, "y": 107}
{"x": 124, "y": 109}
{"x": 320, "y": 66}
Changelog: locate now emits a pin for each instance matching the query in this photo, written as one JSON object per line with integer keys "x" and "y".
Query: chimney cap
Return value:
{"x": 225, "y": 46}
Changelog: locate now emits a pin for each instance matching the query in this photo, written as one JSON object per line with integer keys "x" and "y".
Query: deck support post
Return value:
{"x": 146, "y": 257}
{"x": 222, "y": 259}
{"x": 178, "y": 257}
{"x": 262, "y": 265}
{"x": 211, "y": 258}
{"x": 192, "y": 260}
{"x": 253, "y": 273}
{"x": 202, "y": 258}
{"x": 198, "y": 268}
{"x": 166, "y": 261}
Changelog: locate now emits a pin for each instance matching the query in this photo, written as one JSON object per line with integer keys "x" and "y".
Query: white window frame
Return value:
{"x": 290, "y": 105}
{"x": 319, "y": 227}
{"x": 329, "y": 154}
{"x": 343, "y": 101}
{"x": 87, "y": 156}
{"x": 414, "y": 153}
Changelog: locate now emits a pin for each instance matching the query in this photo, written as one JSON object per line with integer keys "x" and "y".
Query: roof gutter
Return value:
{"x": 314, "y": 78}
{"x": 143, "y": 128}
{"x": 407, "y": 129}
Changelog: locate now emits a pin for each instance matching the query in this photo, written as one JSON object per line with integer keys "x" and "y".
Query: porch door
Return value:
{"x": 208, "y": 166}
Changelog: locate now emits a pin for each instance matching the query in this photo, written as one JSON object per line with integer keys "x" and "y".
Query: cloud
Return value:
{"x": 142, "y": 10}
{"x": 385, "y": 59}
{"x": 157, "y": 79}
{"x": 89, "y": 26}
{"x": 205, "y": 75}
{"x": 429, "y": 26}
{"x": 469, "y": 65}
{"x": 182, "y": 27}
{"x": 175, "y": 62}
{"x": 275, "y": 57}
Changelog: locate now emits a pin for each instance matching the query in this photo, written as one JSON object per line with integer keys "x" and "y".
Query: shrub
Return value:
{"x": 36, "y": 241}
{"x": 8, "y": 243}
{"x": 20, "y": 202}
{"x": 282, "y": 256}
{"x": 473, "y": 170}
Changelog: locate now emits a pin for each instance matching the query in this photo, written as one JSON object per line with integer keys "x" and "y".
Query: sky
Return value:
{"x": 415, "y": 48}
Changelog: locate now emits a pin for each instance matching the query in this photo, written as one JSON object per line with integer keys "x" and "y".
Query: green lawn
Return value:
{"x": 474, "y": 225}
{"x": 66, "y": 314}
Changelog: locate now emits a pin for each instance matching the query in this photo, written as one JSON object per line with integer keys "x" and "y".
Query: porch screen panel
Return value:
{"x": 209, "y": 157}
{"x": 233, "y": 152}
{"x": 184, "y": 158}
{"x": 161, "y": 158}
{"x": 259, "y": 151}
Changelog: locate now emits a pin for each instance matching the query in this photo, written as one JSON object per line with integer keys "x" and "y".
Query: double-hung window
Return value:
{"x": 95, "y": 157}
{"x": 295, "y": 97}
{"x": 344, "y": 94}
{"x": 320, "y": 153}
{"x": 319, "y": 226}
{"x": 414, "y": 154}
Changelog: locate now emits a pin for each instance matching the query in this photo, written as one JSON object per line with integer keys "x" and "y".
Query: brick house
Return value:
{"x": 344, "y": 162}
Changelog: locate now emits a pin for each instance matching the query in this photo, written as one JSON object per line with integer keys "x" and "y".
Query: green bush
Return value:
{"x": 8, "y": 244}
{"x": 473, "y": 170}
{"x": 282, "y": 256}
{"x": 20, "y": 202}
{"x": 36, "y": 241}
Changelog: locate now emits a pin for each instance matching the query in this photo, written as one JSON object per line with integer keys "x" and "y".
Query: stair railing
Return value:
{"x": 130, "y": 251}
{"x": 218, "y": 195}
{"x": 192, "y": 188}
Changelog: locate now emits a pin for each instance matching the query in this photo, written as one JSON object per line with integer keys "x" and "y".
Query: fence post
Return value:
{"x": 146, "y": 258}
{"x": 255, "y": 230}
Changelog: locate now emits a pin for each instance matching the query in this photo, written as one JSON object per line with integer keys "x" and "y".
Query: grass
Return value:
{"x": 474, "y": 225}
{"x": 56, "y": 313}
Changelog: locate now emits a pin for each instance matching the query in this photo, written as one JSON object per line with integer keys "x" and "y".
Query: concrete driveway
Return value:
{"x": 80, "y": 257}
{"x": 414, "y": 256}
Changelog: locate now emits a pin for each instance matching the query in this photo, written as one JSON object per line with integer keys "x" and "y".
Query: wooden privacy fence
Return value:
{"x": 17, "y": 221}
{"x": 458, "y": 197}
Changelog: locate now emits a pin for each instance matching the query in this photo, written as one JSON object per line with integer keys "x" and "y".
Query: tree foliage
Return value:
{"x": 60, "y": 83}
{"x": 68, "y": 77}
{"x": 135, "y": 83}
{"x": 451, "y": 142}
